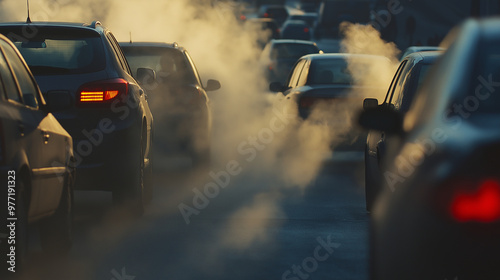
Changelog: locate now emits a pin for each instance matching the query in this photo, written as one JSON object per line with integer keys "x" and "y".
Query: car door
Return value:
{"x": 44, "y": 141}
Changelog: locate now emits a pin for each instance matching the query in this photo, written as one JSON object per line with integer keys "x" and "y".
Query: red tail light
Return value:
{"x": 243, "y": 17}
{"x": 266, "y": 15}
{"x": 306, "y": 30}
{"x": 482, "y": 205}
{"x": 101, "y": 92}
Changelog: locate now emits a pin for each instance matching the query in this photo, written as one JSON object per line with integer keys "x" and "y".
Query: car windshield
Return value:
{"x": 329, "y": 71}
{"x": 294, "y": 51}
{"x": 166, "y": 62}
{"x": 59, "y": 50}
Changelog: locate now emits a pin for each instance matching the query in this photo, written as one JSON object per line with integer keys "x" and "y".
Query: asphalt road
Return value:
{"x": 247, "y": 231}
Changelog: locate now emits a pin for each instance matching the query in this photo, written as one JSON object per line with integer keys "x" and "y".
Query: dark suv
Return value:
{"x": 180, "y": 101}
{"x": 81, "y": 69}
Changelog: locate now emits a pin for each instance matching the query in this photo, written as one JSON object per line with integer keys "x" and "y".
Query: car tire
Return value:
{"x": 130, "y": 192}
{"x": 56, "y": 231}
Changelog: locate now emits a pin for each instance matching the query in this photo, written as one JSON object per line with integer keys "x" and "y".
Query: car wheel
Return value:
{"x": 56, "y": 231}
{"x": 130, "y": 193}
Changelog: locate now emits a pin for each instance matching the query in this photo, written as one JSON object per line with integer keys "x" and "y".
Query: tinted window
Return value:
{"x": 294, "y": 76}
{"x": 26, "y": 83}
{"x": 8, "y": 82}
{"x": 329, "y": 71}
{"x": 283, "y": 51}
{"x": 57, "y": 50}
{"x": 167, "y": 63}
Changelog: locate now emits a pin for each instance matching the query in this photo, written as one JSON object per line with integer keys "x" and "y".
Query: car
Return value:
{"x": 277, "y": 12}
{"x": 296, "y": 30}
{"x": 439, "y": 218}
{"x": 406, "y": 81}
{"x": 413, "y": 49}
{"x": 279, "y": 56}
{"x": 35, "y": 162}
{"x": 82, "y": 68}
{"x": 309, "y": 18}
{"x": 266, "y": 29}
{"x": 179, "y": 98}
{"x": 320, "y": 83}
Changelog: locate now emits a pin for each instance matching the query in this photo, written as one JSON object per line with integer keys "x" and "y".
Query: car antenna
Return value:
{"x": 130, "y": 32}
{"x": 28, "y": 20}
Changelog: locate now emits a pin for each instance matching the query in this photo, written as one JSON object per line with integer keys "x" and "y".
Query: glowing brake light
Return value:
{"x": 102, "y": 91}
{"x": 306, "y": 30}
{"x": 482, "y": 205}
{"x": 266, "y": 15}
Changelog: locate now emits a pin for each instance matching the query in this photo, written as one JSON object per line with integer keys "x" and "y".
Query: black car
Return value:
{"x": 296, "y": 29}
{"x": 35, "y": 163}
{"x": 277, "y": 12}
{"x": 279, "y": 56}
{"x": 407, "y": 79}
{"x": 439, "y": 218}
{"x": 81, "y": 68}
{"x": 332, "y": 13}
{"x": 322, "y": 83}
{"x": 179, "y": 98}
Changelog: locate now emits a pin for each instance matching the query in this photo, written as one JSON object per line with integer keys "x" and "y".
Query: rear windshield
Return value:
{"x": 53, "y": 52}
{"x": 329, "y": 71}
{"x": 165, "y": 61}
{"x": 292, "y": 50}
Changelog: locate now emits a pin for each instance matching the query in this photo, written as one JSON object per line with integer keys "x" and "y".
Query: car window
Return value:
{"x": 328, "y": 72}
{"x": 416, "y": 76}
{"x": 8, "y": 82}
{"x": 169, "y": 63}
{"x": 303, "y": 75}
{"x": 390, "y": 92}
{"x": 118, "y": 53}
{"x": 294, "y": 75}
{"x": 398, "y": 90}
{"x": 50, "y": 54}
{"x": 26, "y": 83}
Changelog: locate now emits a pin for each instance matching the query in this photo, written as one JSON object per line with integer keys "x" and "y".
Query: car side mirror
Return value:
{"x": 58, "y": 100}
{"x": 370, "y": 103}
{"x": 212, "y": 85}
{"x": 382, "y": 118}
{"x": 276, "y": 87}
{"x": 146, "y": 76}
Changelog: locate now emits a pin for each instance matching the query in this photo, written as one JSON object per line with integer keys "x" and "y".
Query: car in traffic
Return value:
{"x": 440, "y": 215}
{"x": 36, "y": 165}
{"x": 277, "y": 12}
{"x": 81, "y": 68}
{"x": 320, "y": 84}
{"x": 279, "y": 56}
{"x": 407, "y": 79}
{"x": 296, "y": 30}
{"x": 179, "y": 98}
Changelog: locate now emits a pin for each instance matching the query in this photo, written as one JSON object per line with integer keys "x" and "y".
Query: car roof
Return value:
{"x": 427, "y": 56}
{"x": 94, "y": 25}
{"x": 291, "y": 41}
{"x": 295, "y": 22}
{"x": 341, "y": 56}
{"x": 149, "y": 44}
